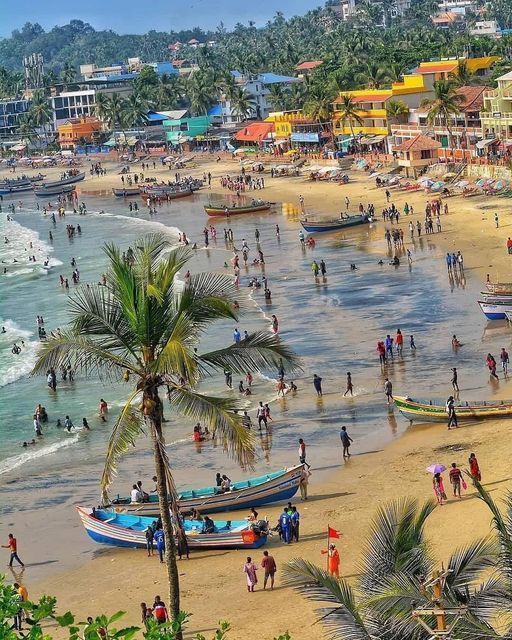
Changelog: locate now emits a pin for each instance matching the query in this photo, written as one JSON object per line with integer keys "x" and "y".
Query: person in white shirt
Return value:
{"x": 135, "y": 494}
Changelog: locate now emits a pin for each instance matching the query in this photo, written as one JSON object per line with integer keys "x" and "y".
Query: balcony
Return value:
{"x": 338, "y": 131}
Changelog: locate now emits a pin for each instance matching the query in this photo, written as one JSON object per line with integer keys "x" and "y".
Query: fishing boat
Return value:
{"x": 122, "y": 530}
{"x": 495, "y": 309}
{"x": 17, "y": 182}
{"x": 255, "y": 492}
{"x": 6, "y": 190}
{"x": 500, "y": 288}
{"x": 421, "y": 410}
{"x": 334, "y": 225}
{"x": 44, "y": 192}
{"x": 167, "y": 194}
{"x": 509, "y": 315}
{"x": 70, "y": 179}
{"x": 125, "y": 192}
{"x": 233, "y": 211}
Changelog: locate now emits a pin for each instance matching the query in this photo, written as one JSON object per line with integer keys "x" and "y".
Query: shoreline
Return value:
{"x": 379, "y": 474}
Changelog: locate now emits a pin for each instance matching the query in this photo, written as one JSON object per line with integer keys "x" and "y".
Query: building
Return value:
{"x": 256, "y": 133}
{"x": 10, "y": 112}
{"x": 489, "y": 28}
{"x": 496, "y": 116}
{"x": 181, "y": 129}
{"x": 294, "y": 129}
{"x": 348, "y": 8}
{"x": 306, "y": 68}
{"x": 457, "y": 6}
{"x": 372, "y": 105}
{"x": 73, "y": 104}
{"x": 124, "y": 72}
{"x": 257, "y": 88}
{"x": 76, "y": 131}
{"x": 447, "y": 19}
{"x": 465, "y": 127}
{"x": 416, "y": 154}
{"x": 446, "y": 67}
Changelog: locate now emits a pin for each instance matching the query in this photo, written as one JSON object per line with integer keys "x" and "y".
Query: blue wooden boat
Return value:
{"x": 45, "y": 192}
{"x": 343, "y": 222}
{"x": 122, "y": 530}
{"x": 13, "y": 189}
{"x": 495, "y": 309}
{"x": 68, "y": 179}
{"x": 255, "y": 492}
{"x": 126, "y": 191}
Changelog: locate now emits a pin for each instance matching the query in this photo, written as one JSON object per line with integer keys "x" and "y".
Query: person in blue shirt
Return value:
{"x": 295, "y": 517}
{"x": 237, "y": 336}
{"x": 285, "y": 521}
{"x": 449, "y": 261}
{"x": 159, "y": 538}
{"x": 389, "y": 345}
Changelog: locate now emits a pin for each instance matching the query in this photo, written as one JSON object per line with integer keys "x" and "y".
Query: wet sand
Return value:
{"x": 345, "y": 495}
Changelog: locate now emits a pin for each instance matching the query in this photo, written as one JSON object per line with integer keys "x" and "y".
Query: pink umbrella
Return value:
{"x": 436, "y": 468}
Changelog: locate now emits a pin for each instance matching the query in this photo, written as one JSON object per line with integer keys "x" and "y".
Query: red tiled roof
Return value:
{"x": 377, "y": 97}
{"x": 435, "y": 68}
{"x": 473, "y": 99}
{"x": 449, "y": 16}
{"x": 255, "y": 132}
{"x": 309, "y": 64}
{"x": 418, "y": 143}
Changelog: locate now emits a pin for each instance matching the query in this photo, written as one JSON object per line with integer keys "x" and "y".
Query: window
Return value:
{"x": 426, "y": 154}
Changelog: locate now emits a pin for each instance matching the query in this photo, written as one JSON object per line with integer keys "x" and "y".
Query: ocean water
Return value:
{"x": 333, "y": 325}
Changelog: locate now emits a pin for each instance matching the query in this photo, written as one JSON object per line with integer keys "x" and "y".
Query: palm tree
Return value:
{"x": 373, "y": 75}
{"x": 397, "y": 559}
{"x": 101, "y": 107}
{"x": 463, "y": 77}
{"x": 318, "y": 103}
{"x": 444, "y": 105}
{"x": 242, "y": 105}
{"x": 145, "y": 330}
{"x": 41, "y": 112}
{"x": 135, "y": 111}
{"x": 68, "y": 74}
{"x": 394, "y": 72}
{"x": 277, "y": 97}
{"x": 199, "y": 91}
{"x": 349, "y": 113}
{"x": 25, "y": 127}
{"x": 115, "y": 112}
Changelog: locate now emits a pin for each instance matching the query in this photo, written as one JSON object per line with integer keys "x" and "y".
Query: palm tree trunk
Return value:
{"x": 155, "y": 422}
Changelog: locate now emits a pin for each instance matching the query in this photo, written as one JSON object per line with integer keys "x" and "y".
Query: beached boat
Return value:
{"x": 500, "y": 288}
{"x": 255, "y": 492}
{"x": 421, "y": 410}
{"x": 334, "y": 225}
{"x": 18, "y": 182}
{"x": 12, "y": 189}
{"x": 122, "y": 530}
{"x": 508, "y": 315}
{"x": 77, "y": 177}
{"x": 234, "y": 211}
{"x": 495, "y": 309}
{"x": 165, "y": 194}
{"x": 126, "y": 191}
{"x": 44, "y": 192}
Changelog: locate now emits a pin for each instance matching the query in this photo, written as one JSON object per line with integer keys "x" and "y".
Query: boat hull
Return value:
{"x": 124, "y": 193}
{"x": 432, "y": 411}
{"x": 54, "y": 191}
{"x": 322, "y": 227}
{"x": 118, "y": 534}
{"x": 168, "y": 195}
{"x": 5, "y": 191}
{"x": 496, "y": 311}
{"x": 235, "y": 211}
{"x": 58, "y": 183}
{"x": 276, "y": 489}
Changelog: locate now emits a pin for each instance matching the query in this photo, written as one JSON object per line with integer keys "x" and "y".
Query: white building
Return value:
{"x": 348, "y": 8}
{"x": 72, "y": 104}
{"x": 488, "y": 28}
{"x": 457, "y": 6}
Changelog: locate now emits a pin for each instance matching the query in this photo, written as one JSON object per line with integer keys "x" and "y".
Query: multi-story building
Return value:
{"x": 124, "y": 71}
{"x": 73, "y": 104}
{"x": 257, "y": 88}
{"x": 180, "y": 128}
{"x": 457, "y": 6}
{"x": 75, "y": 131}
{"x": 348, "y": 8}
{"x": 447, "y": 67}
{"x": 489, "y": 28}
{"x": 496, "y": 115}
{"x": 10, "y": 112}
{"x": 296, "y": 130}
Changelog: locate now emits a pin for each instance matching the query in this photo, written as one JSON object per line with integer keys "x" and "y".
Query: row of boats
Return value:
{"x": 65, "y": 184}
{"x": 124, "y": 523}
{"x": 169, "y": 191}
{"x": 496, "y": 302}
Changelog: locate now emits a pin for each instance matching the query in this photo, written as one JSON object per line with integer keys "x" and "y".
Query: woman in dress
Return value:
{"x": 474, "y": 469}
{"x": 438, "y": 486}
{"x": 275, "y": 324}
{"x": 250, "y": 574}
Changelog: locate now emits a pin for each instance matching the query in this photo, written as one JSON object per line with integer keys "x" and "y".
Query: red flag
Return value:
{"x": 332, "y": 533}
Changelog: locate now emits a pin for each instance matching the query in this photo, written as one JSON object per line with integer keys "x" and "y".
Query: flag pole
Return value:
{"x": 328, "y": 538}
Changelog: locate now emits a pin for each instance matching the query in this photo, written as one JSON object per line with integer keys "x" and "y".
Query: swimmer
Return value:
{"x": 353, "y": 267}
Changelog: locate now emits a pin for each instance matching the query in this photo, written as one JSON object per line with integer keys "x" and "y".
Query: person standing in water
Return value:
{"x": 388, "y": 390}
{"x": 455, "y": 383}
{"x": 346, "y": 441}
{"x": 350, "y": 386}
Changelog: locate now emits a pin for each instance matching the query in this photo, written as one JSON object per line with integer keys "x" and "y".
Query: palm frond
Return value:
{"x": 467, "y": 564}
{"x": 342, "y": 616}
{"x": 81, "y": 353}
{"x": 491, "y": 599}
{"x": 261, "y": 350}
{"x": 219, "y": 414}
{"x": 126, "y": 430}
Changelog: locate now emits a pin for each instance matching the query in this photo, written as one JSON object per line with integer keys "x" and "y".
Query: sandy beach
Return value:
{"x": 344, "y": 496}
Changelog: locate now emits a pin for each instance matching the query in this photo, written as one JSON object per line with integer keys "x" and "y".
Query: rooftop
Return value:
{"x": 419, "y": 143}
{"x": 308, "y": 65}
{"x": 473, "y": 98}
{"x": 254, "y": 132}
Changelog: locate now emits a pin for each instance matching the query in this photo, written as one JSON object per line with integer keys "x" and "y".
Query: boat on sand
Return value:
{"x": 342, "y": 222}
{"x": 232, "y": 211}
{"x": 424, "y": 410}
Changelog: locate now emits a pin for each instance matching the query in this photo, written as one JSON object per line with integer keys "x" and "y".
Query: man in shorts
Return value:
{"x": 269, "y": 565}
{"x": 455, "y": 479}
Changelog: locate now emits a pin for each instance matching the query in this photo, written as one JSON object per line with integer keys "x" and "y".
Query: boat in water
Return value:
{"x": 126, "y": 191}
{"x": 495, "y": 309}
{"x": 12, "y": 189}
{"x": 168, "y": 194}
{"x": 254, "y": 207}
{"x": 255, "y": 492}
{"x": 67, "y": 178}
{"x": 421, "y": 410}
{"x": 44, "y": 192}
{"x": 123, "y": 530}
{"x": 343, "y": 222}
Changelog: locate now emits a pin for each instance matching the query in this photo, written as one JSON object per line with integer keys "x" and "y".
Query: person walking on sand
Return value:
{"x": 268, "y": 564}
{"x": 350, "y": 386}
{"x": 388, "y": 390}
{"x": 452, "y": 416}
{"x": 333, "y": 560}
{"x": 303, "y": 483}
{"x": 399, "y": 341}
{"x": 302, "y": 453}
{"x": 346, "y": 440}
{"x": 12, "y": 545}
{"x": 250, "y": 574}
{"x": 504, "y": 361}
{"x": 474, "y": 468}
{"x": 455, "y": 377}
{"x": 438, "y": 487}
{"x": 317, "y": 383}
{"x": 456, "y": 480}
{"x": 491, "y": 365}
{"x": 261, "y": 415}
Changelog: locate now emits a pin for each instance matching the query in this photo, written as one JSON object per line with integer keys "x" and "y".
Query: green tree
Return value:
{"x": 396, "y": 111}
{"x": 115, "y": 114}
{"x": 463, "y": 76}
{"x": 135, "y": 111}
{"x": 373, "y": 75}
{"x": 200, "y": 92}
{"x": 25, "y": 128}
{"x": 68, "y": 75}
{"x": 444, "y": 105}
{"x": 318, "y": 103}
{"x": 41, "y": 112}
{"x": 241, "y": 102}
{"x": 349, "y": 114}
{"x": 102, "y": 106}
{"x": 142, "y": 328}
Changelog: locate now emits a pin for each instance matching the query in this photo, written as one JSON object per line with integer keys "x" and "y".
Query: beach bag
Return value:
{"x": 464, "y": 485}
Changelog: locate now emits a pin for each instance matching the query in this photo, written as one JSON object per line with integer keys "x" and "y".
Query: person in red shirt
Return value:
{"x": 455, "y": 479}
{"x": 12, "y": 544}
{"x": 160, "y": 611}
{"x": 509, "y": 245}
{"x": 399, "y": 342}
{"x": 269, "y": 565}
